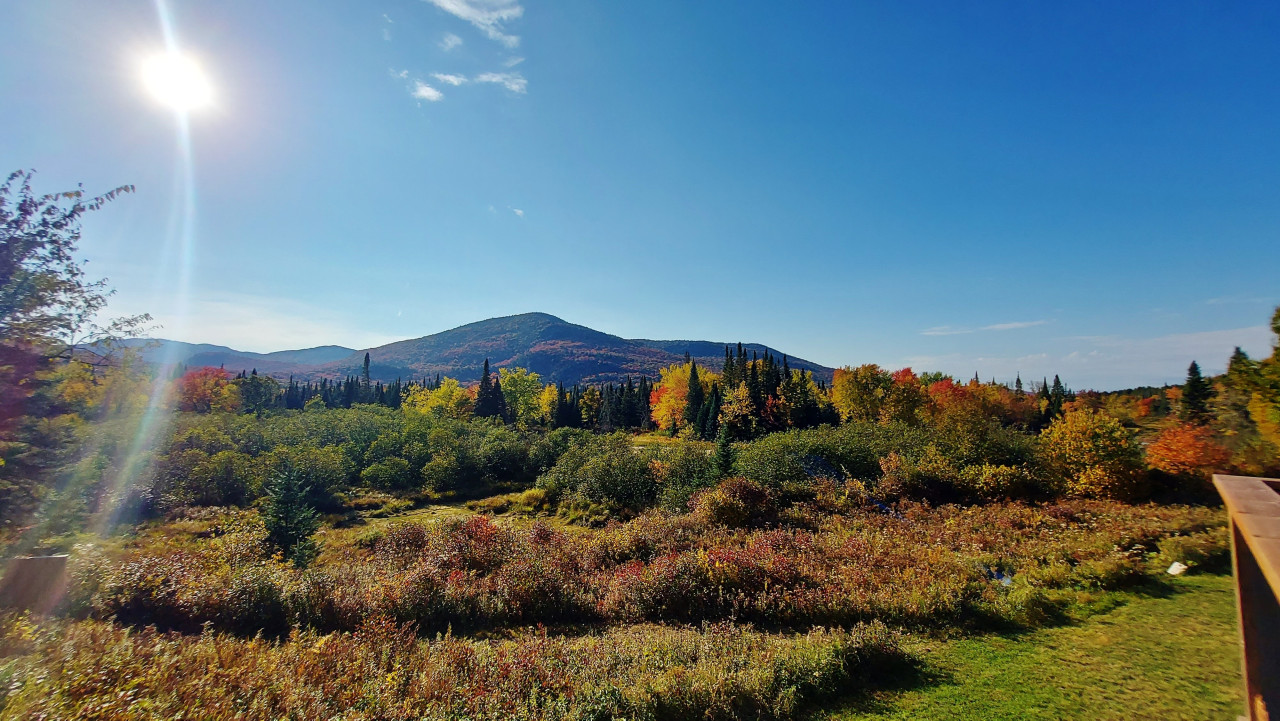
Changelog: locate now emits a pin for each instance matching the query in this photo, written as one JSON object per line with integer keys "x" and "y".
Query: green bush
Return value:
{"x": 390, "y": 474}
{"x": 607, "y": 470}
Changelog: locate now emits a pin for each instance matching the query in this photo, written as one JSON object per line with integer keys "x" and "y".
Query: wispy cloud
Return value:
{"x": 514, "y": 82}
{"x": 489, "y": 16}
{"x": 422, "y": 91}
{"x": 512, "y": 62}
{"x": 518, "y": 212}
{"x": 1015, "y": 326}
{"x": 954, "y": 330}
{"x": 1239, "y": 299}
{"x": 449, "y": 79}
{"x": 401, "y": 74}
{"x": 944, "y": 330}
{"x": 449, "y": 42}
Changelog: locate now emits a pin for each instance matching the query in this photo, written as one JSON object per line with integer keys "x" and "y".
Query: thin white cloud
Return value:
{"x": 953, "y": 330}
{"x": 944, "y": 330}
{"x": 402, "y": 74}
{"x": 1239, "y": 299}
{"x": 514, "y": 82}
{"x": 518, "y": 212}
{"x": 448, "y": 79}
{"x": 512, "y": 62}
{"x": 387, "y": 18}
{"x": 487, "y": 15}
{"x": 386, "y": 35}
{"x": 422, "y": 91}
{"x": 449, "y": 42}
{"x": 1015, "y": 325}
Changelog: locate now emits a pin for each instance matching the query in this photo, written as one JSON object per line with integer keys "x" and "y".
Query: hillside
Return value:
{"x": 555, "y": 349}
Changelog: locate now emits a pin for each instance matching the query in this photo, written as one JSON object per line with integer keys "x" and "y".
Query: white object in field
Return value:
{"x": 1177, "y": 569}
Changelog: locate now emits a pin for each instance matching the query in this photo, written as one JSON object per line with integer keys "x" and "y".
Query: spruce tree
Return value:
{"x": 1196, "y": 393}
{"x": 1057, "y": 396}
{"x": 694, "y": 398}
{"x": 724, "y": 453}
{"x": 489, "y": 400}
{"x": 289, "y": 519}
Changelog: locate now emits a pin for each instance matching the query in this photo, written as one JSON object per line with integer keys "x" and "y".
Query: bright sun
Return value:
{"x": 177, "y": 81}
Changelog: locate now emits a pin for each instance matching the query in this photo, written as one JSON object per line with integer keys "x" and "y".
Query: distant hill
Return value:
{"x": 281, "y": 362}
{"x": 557, "y": 350}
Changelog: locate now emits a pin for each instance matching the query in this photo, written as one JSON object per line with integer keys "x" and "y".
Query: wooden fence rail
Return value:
{"x": 33, "y": 583}
{"x": 1253, "y": 505}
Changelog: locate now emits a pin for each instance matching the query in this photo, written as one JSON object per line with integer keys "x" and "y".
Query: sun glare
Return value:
{"x": 177, "y": 81}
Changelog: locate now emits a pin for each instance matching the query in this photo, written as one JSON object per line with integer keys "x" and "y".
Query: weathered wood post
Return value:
{"x": 1253, "y": 505}
{"x": 34, "y": 583}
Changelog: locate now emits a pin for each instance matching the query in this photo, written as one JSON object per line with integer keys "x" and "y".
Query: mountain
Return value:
{"x": 555, "y": 349}
{"x": 281, "y": 362}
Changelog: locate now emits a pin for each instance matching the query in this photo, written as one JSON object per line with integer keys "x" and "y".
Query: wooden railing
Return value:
{"x": 33, "y": 583}
{"x": 1253, "y": 505}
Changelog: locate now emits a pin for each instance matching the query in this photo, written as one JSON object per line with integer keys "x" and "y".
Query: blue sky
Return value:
{"x": 1088, "y": 189}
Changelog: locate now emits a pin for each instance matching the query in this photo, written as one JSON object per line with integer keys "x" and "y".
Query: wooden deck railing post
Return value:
{"x": 33, "y": 583}
{"x": 1253, "y": 506}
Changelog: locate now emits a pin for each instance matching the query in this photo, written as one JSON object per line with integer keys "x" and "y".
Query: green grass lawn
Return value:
{"x": 1173, "y": 657}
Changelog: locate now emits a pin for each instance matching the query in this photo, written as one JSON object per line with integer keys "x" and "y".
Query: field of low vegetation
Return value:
{"x": 748, "y": 543}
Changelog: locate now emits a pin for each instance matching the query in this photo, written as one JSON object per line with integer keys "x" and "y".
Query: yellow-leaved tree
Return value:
{"x": 521, "y": 390}
{"x": 1093, "y": 455}
{"x": 671, "y": 392}
{"x": 450, "y": 400}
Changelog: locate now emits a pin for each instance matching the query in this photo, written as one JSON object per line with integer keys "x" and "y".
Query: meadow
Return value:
{"x": 359, "y": 560}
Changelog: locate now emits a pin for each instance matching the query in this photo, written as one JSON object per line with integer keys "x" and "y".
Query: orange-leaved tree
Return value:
{"x": 207, "y": 389}
{"x": 1187, "y": 449}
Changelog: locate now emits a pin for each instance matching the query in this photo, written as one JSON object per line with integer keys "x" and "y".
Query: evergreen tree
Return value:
{"x": 729, "y": 371}
{"x": 289, "y": 519}
{"x": 1196, "y": 393}
{"x": 1017, "y": 387}
{"x": 724, "y": 453}
{"x": 1057, "y": 396}
{"x": 489, "y": 400}
{"x": 694, "y": 398}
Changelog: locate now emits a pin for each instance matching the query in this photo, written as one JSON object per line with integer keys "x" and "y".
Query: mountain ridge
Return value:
{"x": 556, "y": 349}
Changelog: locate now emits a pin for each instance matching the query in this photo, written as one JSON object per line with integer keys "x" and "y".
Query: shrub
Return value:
{"x": 735, "y": 502}
{"x": 1187, "y": 450}
{"x": 388, "y": 474}
{"x": 1092, "y": 455}
{"x": 997, "y": 482}
{"x": 1206, "y": 551}
{"x": 605, "y": 471}
{"x": 680, "y": 470}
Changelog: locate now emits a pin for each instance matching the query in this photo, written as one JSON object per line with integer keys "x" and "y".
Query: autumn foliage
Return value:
{"x": 1187, "y": 450}
{"x": 207, "y": 389}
